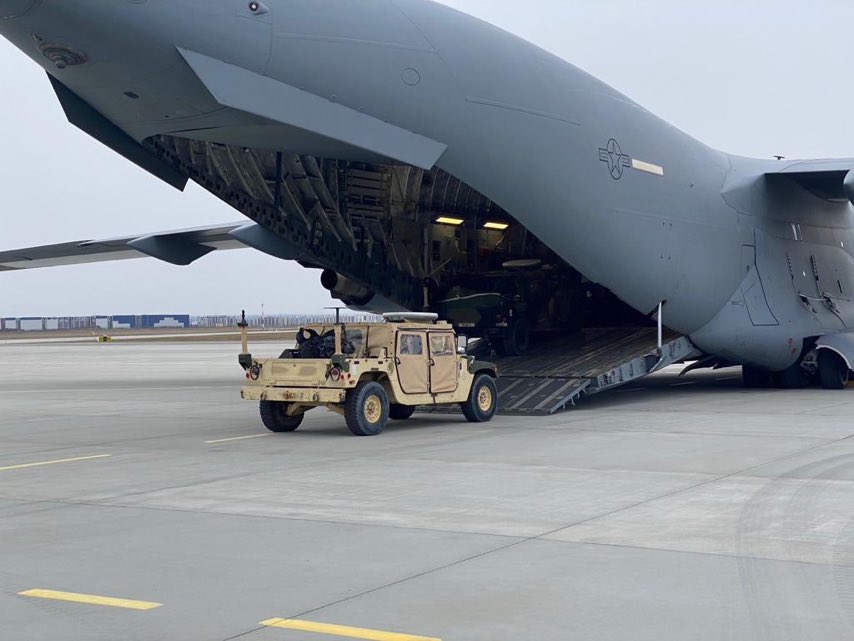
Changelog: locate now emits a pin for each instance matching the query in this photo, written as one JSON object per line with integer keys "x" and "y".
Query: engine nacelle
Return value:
{"x": 848, "y": 186}
{"x": 357, "y": 297}
{"x": 348, "y": 291}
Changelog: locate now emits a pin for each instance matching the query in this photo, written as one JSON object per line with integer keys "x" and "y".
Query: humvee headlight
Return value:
{"x": 255, "y": 372}
{"x": 335, "y": 374}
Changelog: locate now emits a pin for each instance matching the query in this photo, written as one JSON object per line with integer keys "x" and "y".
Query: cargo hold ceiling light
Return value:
{"x": 498, "y": 226}
{"x": 448, "y": 220}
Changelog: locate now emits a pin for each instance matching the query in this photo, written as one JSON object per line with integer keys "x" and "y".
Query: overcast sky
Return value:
{"x": 753, "y": 77}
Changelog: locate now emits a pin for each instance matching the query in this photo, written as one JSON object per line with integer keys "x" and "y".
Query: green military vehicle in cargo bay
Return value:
{"x": 507, "y": 307}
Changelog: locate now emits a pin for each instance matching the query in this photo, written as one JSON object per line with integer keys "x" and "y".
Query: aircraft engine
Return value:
{"x": 346, "y": 290}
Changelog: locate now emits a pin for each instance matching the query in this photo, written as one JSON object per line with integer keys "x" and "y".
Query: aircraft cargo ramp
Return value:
{"x": 555, "y": 374}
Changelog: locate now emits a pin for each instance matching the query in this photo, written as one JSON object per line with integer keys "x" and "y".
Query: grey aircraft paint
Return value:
{"x": 751, "y": 257}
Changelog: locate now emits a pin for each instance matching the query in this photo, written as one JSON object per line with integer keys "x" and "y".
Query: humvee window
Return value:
{"x": 411, "y": 344}
{"x": 442, "y": 345}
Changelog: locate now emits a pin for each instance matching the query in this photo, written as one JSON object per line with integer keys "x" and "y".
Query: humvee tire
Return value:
{"x": 400, "y": 412}
{"x": 275, "y": 418}
{"x": 366, "y": 409}
{"x": 483, "y": 400}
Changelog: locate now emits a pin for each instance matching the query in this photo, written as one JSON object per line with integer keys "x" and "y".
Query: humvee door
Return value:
{"x": 413, "y": 365}
{"x": 443, "y": 362}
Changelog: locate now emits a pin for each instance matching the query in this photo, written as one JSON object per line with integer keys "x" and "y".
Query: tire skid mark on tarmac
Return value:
{"x": 831, "y": 594}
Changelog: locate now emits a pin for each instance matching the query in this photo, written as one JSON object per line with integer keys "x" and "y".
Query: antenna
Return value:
{"x": 337, "y": 313}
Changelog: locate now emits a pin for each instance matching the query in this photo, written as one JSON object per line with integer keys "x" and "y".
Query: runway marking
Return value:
{"x": 728, "y": 378}
{"x": 683, "y": 384}
{"x": 237, "y": 438}
{"x": 631, "y": 389}
{"x": 343, "y": 630}
{"x": 62, "y": 460}
{"x": 92, "y": 599}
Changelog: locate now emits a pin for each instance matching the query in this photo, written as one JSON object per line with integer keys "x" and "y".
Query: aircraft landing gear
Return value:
{"x": 829, "y": 369}
{"x": 833, "y": 371}
{"x": 755, "y": 378}
{"x": 793, "y": 377}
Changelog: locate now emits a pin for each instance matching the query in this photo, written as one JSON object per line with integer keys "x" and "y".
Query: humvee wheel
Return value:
{"x": 275, "y": 417}
{"x": 400, "y": 412}
{"x": 483, "y": 400}
{"x": 366, "y": 409}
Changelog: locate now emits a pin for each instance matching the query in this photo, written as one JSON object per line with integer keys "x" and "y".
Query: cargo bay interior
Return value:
{"x": 393, "y": 234}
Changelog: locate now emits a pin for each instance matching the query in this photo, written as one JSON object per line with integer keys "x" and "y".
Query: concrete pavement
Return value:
{"x": 687, "y": 509}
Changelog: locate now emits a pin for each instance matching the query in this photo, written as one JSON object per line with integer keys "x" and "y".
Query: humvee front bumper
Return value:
{"x": 301, "y": 395}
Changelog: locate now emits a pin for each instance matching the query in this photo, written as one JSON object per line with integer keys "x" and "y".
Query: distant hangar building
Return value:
{"x": 145, "y": 321}
{"x": 154, "y": 321}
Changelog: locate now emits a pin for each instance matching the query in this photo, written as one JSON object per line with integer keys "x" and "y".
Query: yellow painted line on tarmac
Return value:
{"x": 237, "y": 438}
{"x": 343, "y": 630}
{"x": 62, "y": 460}
{"x": 92, "y": 599}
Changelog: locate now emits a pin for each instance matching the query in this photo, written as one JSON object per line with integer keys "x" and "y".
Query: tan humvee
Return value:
{"x": 369, "y": 373}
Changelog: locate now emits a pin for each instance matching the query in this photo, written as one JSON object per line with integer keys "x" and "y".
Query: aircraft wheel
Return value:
{"x": 482, "y": 402}
{"x": 274, "y": 415}
{"x": 366, "y": 409}
{"x": 833, "y": 371}
{"x": 792, "y": 377}
{"x": 755, "y": 378}
{"x": 400, "y": 412}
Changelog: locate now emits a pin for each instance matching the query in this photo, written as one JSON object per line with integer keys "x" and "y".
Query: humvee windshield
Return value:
{"x": 442, "y": 345}
{"x": 318, "y": 341}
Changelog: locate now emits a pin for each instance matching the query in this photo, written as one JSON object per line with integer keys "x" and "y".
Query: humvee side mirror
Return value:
{"x": 462, "y": 344}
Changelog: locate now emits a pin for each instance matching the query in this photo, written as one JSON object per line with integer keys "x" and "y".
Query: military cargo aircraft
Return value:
{"x": 401, "y": 146}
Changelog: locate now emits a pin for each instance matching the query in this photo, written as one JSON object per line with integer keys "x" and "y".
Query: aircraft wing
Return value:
{"x": 824, "y": 178}
{"x": 179, "y": 247}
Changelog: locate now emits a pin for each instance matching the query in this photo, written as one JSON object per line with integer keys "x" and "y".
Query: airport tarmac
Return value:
{"x": 141, "y": 499}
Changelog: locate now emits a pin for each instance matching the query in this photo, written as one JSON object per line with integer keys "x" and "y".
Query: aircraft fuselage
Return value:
{"x": 623, "y": 197}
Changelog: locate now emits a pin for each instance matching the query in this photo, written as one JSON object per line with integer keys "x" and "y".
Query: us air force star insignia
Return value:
{"x": 616, "y": 159}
